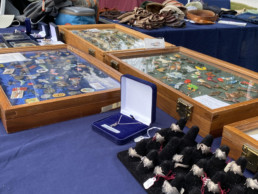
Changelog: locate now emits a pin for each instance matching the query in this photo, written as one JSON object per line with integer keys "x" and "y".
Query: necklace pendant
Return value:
{"x": 114, "y": 124}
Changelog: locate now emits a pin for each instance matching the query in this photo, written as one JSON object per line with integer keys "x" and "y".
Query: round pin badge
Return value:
{"x": 18, "y": 77}
{"x": 73, "y": 93}
{"x": 45, "y": 96}
{"x": 86, "y": 90}
{"x": 74, "y": 87}
{"x": 42, "y": 70}
{"x": 38, "y": 86}
{"x": 57, "y": 95}
{"x": 59, "y": 77}
{"x": 66, "y": 68}
{"x": 49, "y": 90}
{"x": 32, "y": 76}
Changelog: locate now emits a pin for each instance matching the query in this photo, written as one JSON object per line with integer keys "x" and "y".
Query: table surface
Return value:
{"x": 68, "y": 157}
{"x": 129, "y": 5}
{"x": 123, "y": 5}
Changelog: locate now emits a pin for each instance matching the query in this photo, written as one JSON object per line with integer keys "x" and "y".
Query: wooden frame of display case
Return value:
{"x": 234, "y": 135}
{"x": 25, "y": 116}
{"x": 210, "y": 121}
{"x": 78, "y": 42}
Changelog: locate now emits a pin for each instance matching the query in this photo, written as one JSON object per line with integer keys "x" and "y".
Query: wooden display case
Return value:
{"x": 241, "y": 137}
{"x": 184, "y": 69}
{"x": 48, "y": 84}
{"x": 128, "y": 39}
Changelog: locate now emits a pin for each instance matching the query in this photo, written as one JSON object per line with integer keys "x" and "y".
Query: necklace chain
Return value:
{"x": 119, "y": 120}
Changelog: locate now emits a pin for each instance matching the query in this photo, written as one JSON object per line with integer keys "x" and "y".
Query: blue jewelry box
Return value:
{"x": 138, "y": 111}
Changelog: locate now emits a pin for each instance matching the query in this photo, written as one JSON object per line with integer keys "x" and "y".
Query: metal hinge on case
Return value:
{"x": 184, "y": 108}
{"x": 251, "y": 154}
{"x": 92, "y": 52}
{"x": 114, "y": 64}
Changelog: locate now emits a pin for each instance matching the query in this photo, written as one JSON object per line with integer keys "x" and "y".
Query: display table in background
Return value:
{"x": 128, "y": 5}
{"x": 234, "y": 44}
{"x": 123, "y": 5}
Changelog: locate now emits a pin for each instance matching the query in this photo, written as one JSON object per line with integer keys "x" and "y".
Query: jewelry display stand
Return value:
{"x": 140, "y": 177}
{"x": 138, "y": 111}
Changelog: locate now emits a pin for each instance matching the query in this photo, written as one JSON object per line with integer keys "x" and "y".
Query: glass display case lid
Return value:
{"x": 110, "y": 39}
{"x": 207, "y": 83}
{"x": 252, "y": 133}
{"x": 34, "y": 76}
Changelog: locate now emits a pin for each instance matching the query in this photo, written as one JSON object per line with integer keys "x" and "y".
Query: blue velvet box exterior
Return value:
{"x": 128, "y": 124}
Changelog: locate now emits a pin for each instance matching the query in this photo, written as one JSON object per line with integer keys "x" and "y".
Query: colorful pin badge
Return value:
{"x": 246, "y": 84}
{"x": 220, "y": 79}
{"x": 42, "y": 70}
{"x": 161, "y": 69}
{"x": 18, "y": 92}
{"x": 194, "y": 76}
{"x": 86, "y": 90}
{"x": 32, "y": 67}
{"x": 31, "y": 100}
{"x": 200, "y": 68}
{"x": 178, "y": 85}
{"x": 187, "y": 81}
{"x": 45, "y": 96}
{"x": 201, "y": 80}
{"x": 57, "y": 95}
{"x": 211, "y": 79}
{"x": 177, "y": 55}
{"x": 53, "y": 72}
{"x": 192, "y": 87}
{"x": 210, "y": 74}
{"x": 8, "y": 71}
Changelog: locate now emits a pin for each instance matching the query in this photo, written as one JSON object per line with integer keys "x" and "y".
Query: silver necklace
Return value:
{"x": 119, "y": 120}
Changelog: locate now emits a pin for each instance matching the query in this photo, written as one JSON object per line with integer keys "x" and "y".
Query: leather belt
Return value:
{"x": 202, "y": 16}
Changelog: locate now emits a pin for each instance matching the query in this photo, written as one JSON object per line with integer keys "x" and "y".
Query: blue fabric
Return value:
{"x": 68, "y": 158}
{"x": 63, "y": 19}
{"x": 234, "y": 44}
{"x": 247, "y": 17}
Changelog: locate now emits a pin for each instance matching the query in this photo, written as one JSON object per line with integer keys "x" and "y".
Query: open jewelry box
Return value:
{"x": 209, "y": 91}
{"x": 100, "y": 39}
{"x": 138, "y": 111}
{"x": 48, "y": 84}
{"x": 242, "y": 138}
{"x": 17, "y": 40}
